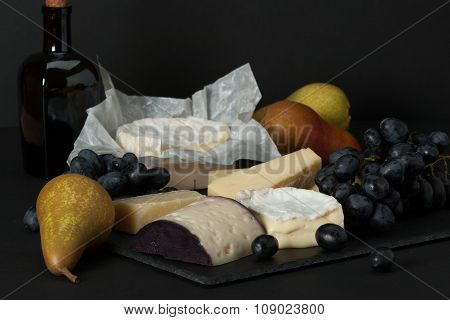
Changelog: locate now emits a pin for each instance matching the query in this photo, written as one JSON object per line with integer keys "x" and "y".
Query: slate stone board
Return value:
{"x": 407, "y": 232}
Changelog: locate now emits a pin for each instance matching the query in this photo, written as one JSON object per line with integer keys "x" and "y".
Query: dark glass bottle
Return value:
{"x": 56, "y": 87}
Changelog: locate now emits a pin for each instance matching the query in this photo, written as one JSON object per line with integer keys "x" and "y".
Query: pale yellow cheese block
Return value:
{"x": 134, "y": 213}
{"x": 216, "y": 174}
{"x": 296, "y": 169}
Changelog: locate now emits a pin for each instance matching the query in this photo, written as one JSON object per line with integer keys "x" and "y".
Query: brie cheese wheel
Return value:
{"x": 292, "y": 215}
{"x": 152, "y": 136}
{"x": 211, "y": 231}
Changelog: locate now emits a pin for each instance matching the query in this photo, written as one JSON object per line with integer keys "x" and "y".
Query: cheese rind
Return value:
{"x": 297, "y": 169}
{"x": 292, "y": 215}
{"x": 172, "y": 241}
{"x": 223, "y": 228}
{"x": 134, "y": 213}
{"x": 153, "y": 136}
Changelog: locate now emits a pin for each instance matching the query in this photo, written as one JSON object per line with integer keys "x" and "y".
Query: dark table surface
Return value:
{"x": 107, "y": 276}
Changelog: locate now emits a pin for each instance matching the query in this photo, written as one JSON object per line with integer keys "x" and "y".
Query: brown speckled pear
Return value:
{"x": 75, "y": 213}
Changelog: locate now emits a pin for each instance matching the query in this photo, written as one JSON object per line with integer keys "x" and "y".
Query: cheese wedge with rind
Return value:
{"x": 212, "y": 231}
{"x": 292, "y": 215}
{"x": 296, "y": 169}
{"x": 134, "y": 213}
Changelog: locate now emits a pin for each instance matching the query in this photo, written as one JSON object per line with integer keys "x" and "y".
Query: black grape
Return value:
{"x": 394, "y": 130}
{"x": 392, "y": 199}
{"x": 115, "y": 183}
{"x": 382, "y": 259}
{"x": 129, "y": 163}
{"x": 375, "y": 187}
{"x": 346, "y": 167}
{"x": 393, "y": 171}
{"x": 439, "y": 193}
{"x": 327, "y": 184}
{"x": 331, "y": 236}
{"x": 113, "y": 164}
{"x": 82, "y": 166}
{"x": 370, "y": 168}
{"x": 440, "y": 139}
{"x": 358, "y": 207}
{"x": 429, "y": 151}
{"x": 342, "y": 191}
{"x": 424, "y": 199}
{"x": 383, "y": 219}
{"x": 414, "y": 164}
{"x": 94, "y": 160}
{"x": 323, "y": 173}
{"x": 400, "y": 149}
{"x": 373, "y": 139}
{"x": 342, "y": 152}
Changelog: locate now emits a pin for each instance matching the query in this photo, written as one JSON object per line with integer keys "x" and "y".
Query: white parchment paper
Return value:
{"x": 231, "y": 100}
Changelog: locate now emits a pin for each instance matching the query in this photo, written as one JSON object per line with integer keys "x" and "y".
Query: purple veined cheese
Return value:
{"x": 211, "y": 231}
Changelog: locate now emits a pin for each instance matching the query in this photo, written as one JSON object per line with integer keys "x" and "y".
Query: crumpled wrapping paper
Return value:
{"x": 231, "y": 99}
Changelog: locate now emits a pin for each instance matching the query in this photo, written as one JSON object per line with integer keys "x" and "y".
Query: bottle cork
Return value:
{"x": 56, "y": 3}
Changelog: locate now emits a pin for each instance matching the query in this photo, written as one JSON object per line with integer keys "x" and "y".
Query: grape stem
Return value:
{"x": 441, "y": 158}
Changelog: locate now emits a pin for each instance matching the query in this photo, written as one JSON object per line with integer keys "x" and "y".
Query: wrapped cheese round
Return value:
{"x": 211, "y": 231}
{"x": 154, "y": 136}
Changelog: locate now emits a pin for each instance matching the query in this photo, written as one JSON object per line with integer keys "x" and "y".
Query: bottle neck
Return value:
{"x": 57, "y": 26}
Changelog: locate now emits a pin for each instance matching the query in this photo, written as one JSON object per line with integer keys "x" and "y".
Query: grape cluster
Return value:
{"x": 120, "y": 176}
{"x": 399, "y": 171}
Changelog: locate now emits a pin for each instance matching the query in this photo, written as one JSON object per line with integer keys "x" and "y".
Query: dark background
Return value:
{"x": 175, "y": 47}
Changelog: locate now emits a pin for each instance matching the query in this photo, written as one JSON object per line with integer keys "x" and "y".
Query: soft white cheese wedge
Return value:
{"x": 292, "y": 215}
{"x": 152, "y": 136}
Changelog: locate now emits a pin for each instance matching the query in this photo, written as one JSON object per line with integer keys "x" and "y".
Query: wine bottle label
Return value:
{"x": 56, "y": 3}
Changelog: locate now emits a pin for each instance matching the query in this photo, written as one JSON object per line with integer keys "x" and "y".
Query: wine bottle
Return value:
{"x": 56, "y": 86}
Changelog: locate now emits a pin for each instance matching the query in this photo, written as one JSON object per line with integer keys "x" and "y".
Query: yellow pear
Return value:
{"x": 328, "y": 100}
{"x": 75, "y": 213}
